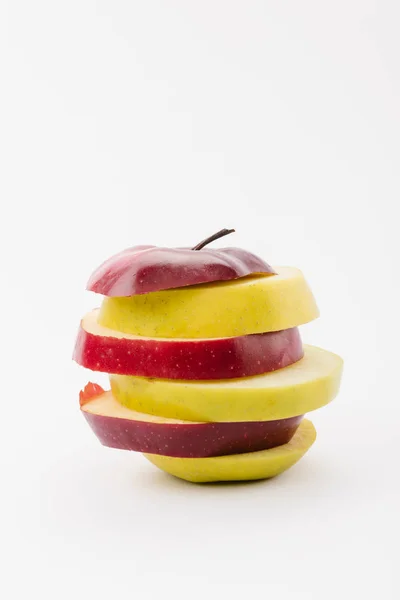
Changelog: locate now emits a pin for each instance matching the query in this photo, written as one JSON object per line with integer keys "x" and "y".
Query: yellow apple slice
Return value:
{"x": 240, "y": 467}
{"x": 306, "y": 385}
{"x": 224, "y": 309}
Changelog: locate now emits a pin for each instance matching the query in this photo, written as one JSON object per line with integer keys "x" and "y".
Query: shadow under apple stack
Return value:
{"x": 209, "y": 377}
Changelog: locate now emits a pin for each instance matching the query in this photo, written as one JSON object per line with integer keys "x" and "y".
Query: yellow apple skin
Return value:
{"x": 302, "y": 387}
{"x": 223, "y": 309}
{"x": 240, "y": 467}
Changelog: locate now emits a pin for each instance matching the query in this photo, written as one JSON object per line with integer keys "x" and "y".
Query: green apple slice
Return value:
{"x": 297, "y": 389}
{"x": 215, "y": 310}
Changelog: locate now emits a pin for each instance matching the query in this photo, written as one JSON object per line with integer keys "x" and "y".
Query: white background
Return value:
{"x": 161, "y": 122}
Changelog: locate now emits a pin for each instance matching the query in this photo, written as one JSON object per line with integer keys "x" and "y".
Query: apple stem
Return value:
{"x": 212, "y": 238}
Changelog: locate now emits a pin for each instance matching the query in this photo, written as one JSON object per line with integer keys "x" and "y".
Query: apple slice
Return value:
{"x": 216, "y": 310}
{"x": 306, "y": 385}
{"x": 102, "y": 349}
{"x": 240, "y": 467}
{"x": 118, "y": 427}
{"x": 144, "y": 269}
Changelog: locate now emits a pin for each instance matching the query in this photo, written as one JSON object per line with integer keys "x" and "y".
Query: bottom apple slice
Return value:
{"x": 240, "y": 467}
{"x": 119, "y": 427}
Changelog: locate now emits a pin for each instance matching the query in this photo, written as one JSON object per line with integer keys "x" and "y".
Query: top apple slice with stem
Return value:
{"x": 144, "y": 269}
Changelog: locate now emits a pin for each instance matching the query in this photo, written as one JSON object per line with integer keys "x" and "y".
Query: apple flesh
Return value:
{"x": 144, "y": 269}
{"x": 101, "y": 349}
{"x": 216, "y": 310}
{"x": 240, "y": 467}
{"x": 118, "y": 427}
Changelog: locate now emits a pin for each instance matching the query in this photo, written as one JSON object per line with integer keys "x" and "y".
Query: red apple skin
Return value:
{"x": 144, "y": 269}
{"x": 197, "y": 440}
{"x": 90, "y": 391}
{"x": 209, "y": 359}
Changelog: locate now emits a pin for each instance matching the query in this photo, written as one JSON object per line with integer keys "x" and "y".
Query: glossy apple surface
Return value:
{"x": 101, "y": 349}
{"x": 118, "y": 427}
{"x": 216, "y": 310}
{"x": 240, "y": 467}
{"x": 144, "y": 269}
{"x": 300, "y": 388}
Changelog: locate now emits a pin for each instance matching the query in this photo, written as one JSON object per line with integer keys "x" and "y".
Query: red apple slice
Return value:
{"x": 144, "y": 269}
{"x": 101, "y": 349}
{"x": 118, "y": 427}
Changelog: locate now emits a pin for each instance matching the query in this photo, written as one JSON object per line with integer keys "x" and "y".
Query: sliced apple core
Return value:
{"x": 215, "y": 310}
{"x": 118, "y": 427}
{"x": 304, "y": 386}
{"x": 240, "y": 467}
{"x": 102, "y": 349}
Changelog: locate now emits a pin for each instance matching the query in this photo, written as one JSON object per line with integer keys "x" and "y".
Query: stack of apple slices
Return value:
{"x": 209, "y": 377}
